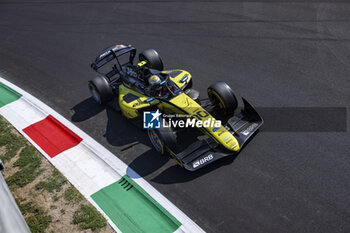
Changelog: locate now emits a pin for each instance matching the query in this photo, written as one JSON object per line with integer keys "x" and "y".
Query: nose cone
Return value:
{"x": 231, "y": 143}
{"x": 226, "y": 138}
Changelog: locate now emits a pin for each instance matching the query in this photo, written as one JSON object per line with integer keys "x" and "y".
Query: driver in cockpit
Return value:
{"x": 157, "y": 87}
{"x": 154, "y": 82}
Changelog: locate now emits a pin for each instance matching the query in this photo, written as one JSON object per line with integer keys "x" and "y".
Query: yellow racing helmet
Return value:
{"x": 154, "y": 80}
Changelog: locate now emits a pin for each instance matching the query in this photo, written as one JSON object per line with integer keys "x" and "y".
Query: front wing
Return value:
{"x": 203, "y": 152}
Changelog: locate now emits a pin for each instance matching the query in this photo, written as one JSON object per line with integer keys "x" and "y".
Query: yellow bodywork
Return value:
{"x": 130, "y": 109}
{"x": 177, "y": 79}
{"x": 191, "y": 107}
{"x": 181, "y": 104}
{"x": 142, "y": 63}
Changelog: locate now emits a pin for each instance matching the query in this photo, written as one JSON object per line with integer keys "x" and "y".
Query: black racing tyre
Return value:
{"x": 154, "y": 61}
{"x": 161, "y": 138}
{"x": 223, "y": 98}
{"x": 100, "y": 90}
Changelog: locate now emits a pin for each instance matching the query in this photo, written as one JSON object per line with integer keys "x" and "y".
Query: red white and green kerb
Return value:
{"x": 129, "y": 204}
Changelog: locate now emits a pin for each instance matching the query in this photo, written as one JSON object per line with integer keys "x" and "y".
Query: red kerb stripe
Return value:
{"x": 52, "y": 136}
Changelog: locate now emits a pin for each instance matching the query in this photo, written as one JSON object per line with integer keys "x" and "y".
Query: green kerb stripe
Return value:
{"x": 7, "y": 95}
{"x": 132, "y": 209}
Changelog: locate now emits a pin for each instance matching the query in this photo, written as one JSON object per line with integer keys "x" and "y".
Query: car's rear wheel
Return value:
{"x": 100, "y": 90}
{"x": 223, "y": 98}
{"x": 154, "y": 61}
{"x": 162, "y": 138}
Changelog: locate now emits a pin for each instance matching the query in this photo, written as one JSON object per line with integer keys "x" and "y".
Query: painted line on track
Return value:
{"x": 129, "y": 204}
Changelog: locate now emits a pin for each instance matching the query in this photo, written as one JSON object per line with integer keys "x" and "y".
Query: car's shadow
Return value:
{"x": 177, "y": 174}
{"x": 125, "y": 136}
{"x": 85, "y": 110}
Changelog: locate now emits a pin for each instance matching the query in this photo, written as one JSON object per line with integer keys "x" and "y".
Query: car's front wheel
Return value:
{"x": 162, "y": 138}
{"x": 223, "y": 98}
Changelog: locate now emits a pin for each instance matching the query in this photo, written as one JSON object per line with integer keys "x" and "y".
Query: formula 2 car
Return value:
{"x": 137, "y": 89}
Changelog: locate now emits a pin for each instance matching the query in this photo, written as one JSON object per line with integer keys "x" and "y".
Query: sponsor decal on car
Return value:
{"x": 227, "y": 142}
{"x": 105, "y": 54}
{"x": 249, "y": 129}
{"x": 222, "y": 131}
{"x": 215, "y": 129}
{"x": 203, "y": 160}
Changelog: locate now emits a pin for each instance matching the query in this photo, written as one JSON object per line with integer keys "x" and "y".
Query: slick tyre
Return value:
{"x": 223, "y": 98}
{"x": 100, "y": 90}
{"x": 162, "y": 138}
{"x": 154, "y": 61}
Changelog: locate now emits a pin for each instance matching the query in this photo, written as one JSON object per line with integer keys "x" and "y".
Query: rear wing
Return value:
{"x": 110, "y": 54}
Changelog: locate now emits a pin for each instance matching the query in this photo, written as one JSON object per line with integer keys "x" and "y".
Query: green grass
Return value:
{"x": 56, "y": 198}
{"x": 89, "y": 218}
{"x": 29, "y": 163}
{"x": 37, "y": 219}
{"x": 55, "y": 182}
{"x": 9, "y": 140}
{"x": 28, "y": 157}
{"x": 73, "y": 195}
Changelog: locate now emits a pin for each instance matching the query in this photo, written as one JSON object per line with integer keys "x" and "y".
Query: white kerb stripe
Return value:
{"x": 21, "y": 114}
{"x": 84, "y": 170}
{"x": 114, "y": 162}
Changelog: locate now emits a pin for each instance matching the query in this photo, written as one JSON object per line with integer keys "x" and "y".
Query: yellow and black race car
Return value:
{"x": 144, "y": 92}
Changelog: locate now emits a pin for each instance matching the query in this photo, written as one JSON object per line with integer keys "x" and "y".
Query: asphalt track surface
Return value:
{"x": 276, "y": 54}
